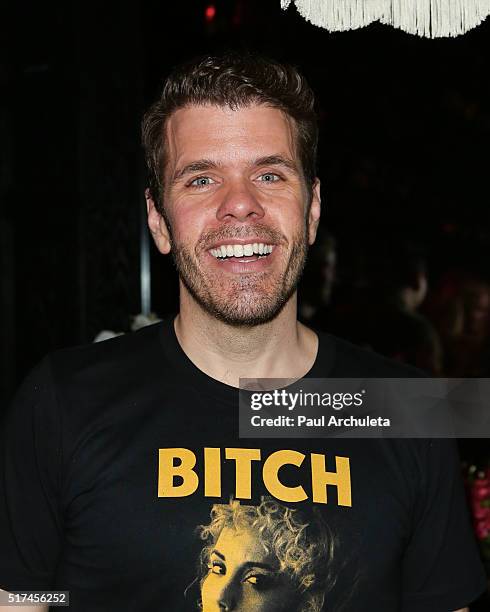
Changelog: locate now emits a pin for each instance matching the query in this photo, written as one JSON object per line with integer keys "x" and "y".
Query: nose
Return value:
{"x": 239, "y": 203}
{"x": 228, "y": 597}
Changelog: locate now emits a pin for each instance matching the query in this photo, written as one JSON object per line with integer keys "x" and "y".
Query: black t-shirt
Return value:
{"x": 114, "y": 455}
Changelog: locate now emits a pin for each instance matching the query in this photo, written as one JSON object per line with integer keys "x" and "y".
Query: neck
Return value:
{"x": 281, "y": 348}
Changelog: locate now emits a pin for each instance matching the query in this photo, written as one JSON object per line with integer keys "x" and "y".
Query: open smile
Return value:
{"x": 243, "y": 257}
{"x": 242, "y": 252}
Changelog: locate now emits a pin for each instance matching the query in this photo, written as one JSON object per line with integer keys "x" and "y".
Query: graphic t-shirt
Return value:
{"x": 124, "y": 481}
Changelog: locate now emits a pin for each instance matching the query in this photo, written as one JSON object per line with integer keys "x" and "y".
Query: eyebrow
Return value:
{"x": 247, "y": 564}
{"x": 201, "y": 165}
{"x": 277, "y": 160}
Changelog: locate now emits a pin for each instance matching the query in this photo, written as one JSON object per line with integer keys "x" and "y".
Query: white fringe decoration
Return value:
{"x": 429, "y": 18}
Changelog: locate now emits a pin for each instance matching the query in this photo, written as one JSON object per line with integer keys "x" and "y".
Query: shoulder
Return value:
{"x": 115, "y": 358}
{"x": 83, "y": 385}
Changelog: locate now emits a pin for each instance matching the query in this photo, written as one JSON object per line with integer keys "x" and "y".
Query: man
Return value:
{"x": 115, "y": 453}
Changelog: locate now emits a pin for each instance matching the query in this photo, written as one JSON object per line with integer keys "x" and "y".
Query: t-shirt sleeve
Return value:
{"x": 442, "y": 570}
{"x": 30, "y": 461}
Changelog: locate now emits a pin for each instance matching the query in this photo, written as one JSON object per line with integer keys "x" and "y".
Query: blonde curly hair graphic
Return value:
{"x": 303, "y": 545}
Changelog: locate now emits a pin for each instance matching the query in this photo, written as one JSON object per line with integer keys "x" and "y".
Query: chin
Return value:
{"x": 247, "y": 313}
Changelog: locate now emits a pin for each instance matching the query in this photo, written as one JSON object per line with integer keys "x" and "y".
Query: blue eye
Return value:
{"x": 202, "y": 181}
{"x": 269, "y": 177}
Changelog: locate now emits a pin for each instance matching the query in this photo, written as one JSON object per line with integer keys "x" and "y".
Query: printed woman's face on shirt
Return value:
{"x": 243, "y": 577}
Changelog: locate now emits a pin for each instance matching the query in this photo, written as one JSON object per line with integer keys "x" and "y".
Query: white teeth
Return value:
{"x": 241, "y": 250}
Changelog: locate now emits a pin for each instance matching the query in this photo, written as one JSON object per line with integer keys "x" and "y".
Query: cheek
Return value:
{"x": 184, "y": 219}
{"x": 190, "y": 223}
{"x": 273, "y": 600}
{"x": 288, "y": 220}
{"x": 186, "y": 229}
{"x": 289, "y": 208}
{"x": 208, "y": 590}
{"x": 280, "y": 599}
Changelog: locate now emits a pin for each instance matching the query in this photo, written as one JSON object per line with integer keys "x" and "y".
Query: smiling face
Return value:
{"x": 243, "y": 577}
{"x": 237, "y": 208}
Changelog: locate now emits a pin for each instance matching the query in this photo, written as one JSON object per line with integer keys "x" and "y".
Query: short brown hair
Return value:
{"x": 235, "y": 81}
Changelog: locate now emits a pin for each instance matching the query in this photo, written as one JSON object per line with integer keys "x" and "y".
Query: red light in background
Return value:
{"x": 449, "y": 228}
{"x": 210, "y": 12}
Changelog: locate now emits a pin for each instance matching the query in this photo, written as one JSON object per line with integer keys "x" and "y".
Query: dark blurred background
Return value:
{"x": 402, "y": 263}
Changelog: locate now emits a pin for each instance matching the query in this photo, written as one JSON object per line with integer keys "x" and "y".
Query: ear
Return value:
{"x": 315, "y": 210}
{"x": 157, "y": 225}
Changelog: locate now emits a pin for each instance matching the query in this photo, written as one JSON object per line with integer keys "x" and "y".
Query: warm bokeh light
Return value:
{"x": 210, "y": 12}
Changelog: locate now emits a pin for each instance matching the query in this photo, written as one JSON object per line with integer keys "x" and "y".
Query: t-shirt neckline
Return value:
{"x": 204, "y": 383}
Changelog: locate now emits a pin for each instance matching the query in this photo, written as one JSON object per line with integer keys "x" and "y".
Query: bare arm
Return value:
{"x": 462, "y": 610}
{"x": 40, "y": 608}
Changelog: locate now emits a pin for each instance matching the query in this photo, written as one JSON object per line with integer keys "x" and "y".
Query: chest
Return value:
{"x": 137, "y": 492}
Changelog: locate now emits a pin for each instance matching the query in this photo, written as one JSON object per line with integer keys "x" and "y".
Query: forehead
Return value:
{"x": 242, "y": 546}
{"x": 227, "y": 136}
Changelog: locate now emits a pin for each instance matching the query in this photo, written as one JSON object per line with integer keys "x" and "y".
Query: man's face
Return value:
{"x": 237, "y": 209}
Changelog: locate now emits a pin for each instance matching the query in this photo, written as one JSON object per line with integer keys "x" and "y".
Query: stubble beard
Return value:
{"x": 251, "y": 299}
